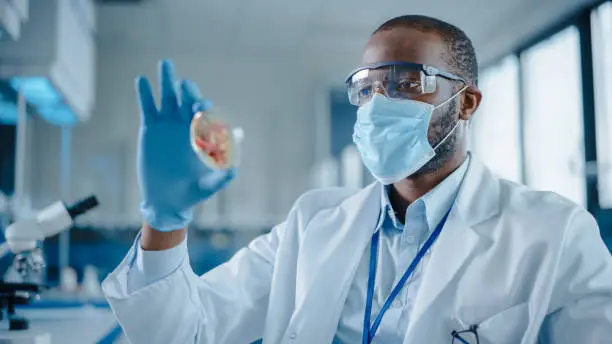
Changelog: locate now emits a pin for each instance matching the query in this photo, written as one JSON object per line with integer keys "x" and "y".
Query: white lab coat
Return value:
{"x": 523, "y": 265}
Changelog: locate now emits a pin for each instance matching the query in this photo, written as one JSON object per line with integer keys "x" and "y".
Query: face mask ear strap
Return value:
{"x": 447, "y": 135}
{"x": 451, "y": 98}
{"x": 456, "y": 124}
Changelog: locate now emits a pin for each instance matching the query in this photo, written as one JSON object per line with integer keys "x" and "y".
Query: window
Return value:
{"x": 351, "y": 168}
{"x": 496, "y": 138}
{"x": 602, "y": 56}
{"x": 553, "y": 127}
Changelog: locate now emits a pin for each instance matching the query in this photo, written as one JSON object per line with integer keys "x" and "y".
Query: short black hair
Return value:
{"x": 461, "y": 54}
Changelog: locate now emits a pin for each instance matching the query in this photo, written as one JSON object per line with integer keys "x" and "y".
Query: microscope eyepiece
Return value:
{"x": 82, "y": 206}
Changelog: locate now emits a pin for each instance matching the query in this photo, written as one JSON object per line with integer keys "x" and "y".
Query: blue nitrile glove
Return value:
{"x": 172, "y": 179}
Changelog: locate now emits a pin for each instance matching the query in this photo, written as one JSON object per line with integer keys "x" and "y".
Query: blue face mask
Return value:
{"x": 391, "y": 135}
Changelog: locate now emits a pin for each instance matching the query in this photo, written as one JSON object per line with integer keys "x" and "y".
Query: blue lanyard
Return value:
{"x": 369, "y": 332}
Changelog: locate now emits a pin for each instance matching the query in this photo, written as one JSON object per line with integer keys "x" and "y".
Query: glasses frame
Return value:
{"x": 456, "y": 335}
{"x": 427, "y": 69}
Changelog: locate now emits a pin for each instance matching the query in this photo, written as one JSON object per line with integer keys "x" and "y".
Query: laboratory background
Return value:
{"x": 275, "y": 68}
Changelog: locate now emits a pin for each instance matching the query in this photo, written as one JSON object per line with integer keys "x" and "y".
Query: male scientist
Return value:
{"x": 438, "y": 250}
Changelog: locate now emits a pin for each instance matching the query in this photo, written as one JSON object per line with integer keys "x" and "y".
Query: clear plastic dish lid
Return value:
{"x": 215, "y": 142}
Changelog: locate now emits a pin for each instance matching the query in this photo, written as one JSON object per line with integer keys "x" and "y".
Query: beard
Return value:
{"x": 440, "y": 128}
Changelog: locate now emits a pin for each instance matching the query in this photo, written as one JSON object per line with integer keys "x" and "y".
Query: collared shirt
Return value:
{"x": 399, "y": 245}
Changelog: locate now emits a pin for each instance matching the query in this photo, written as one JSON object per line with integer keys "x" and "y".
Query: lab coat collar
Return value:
{"x": 333, "y": 244}
{"x": 436, "y": 202}
{"x": 478, "y": 197}
{"x": 477, "y": 201}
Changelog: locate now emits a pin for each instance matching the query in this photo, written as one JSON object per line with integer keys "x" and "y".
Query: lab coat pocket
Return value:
{"x": 506, "y": 327}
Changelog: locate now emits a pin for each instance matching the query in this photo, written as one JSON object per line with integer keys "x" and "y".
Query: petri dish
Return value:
{"x": 214, "y": 141}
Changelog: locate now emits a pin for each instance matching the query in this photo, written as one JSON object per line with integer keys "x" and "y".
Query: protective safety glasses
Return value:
{"x": 400, "y": 80}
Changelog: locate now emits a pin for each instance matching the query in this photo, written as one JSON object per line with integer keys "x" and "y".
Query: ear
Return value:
{"x": 470, "y": 101}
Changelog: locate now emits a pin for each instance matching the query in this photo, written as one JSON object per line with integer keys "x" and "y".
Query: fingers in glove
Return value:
{"x": 169, "y": 101}
{"x": 146, "y": 102}
{"x": 217, "y": 180}
{"x": 190, "y": 93}
{"x": 202, "y": 105}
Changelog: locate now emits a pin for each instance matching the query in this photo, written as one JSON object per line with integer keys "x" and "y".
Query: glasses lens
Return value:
{"x": 393, "y": 81}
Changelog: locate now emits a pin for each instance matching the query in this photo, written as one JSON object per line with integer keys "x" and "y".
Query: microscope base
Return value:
{"x": 24, "y": 337}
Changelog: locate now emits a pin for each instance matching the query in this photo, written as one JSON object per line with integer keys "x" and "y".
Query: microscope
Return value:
{"x": 22, "y": 238}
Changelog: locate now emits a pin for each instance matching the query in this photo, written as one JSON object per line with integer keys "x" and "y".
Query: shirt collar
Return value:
{"x": 436, "y": 202}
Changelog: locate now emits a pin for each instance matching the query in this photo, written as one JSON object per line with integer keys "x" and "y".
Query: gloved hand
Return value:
{"x": 171, "y": 177}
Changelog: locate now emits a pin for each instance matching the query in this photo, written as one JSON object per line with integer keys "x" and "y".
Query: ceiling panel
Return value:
{"x": 280, "y": 25}
{"x": 130, "y": 23}
{"x": 278, "y": 9}
{"x": 207, "y": 24}
{"x": 319, "y": 27}
{"x": 338, "y": 16}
